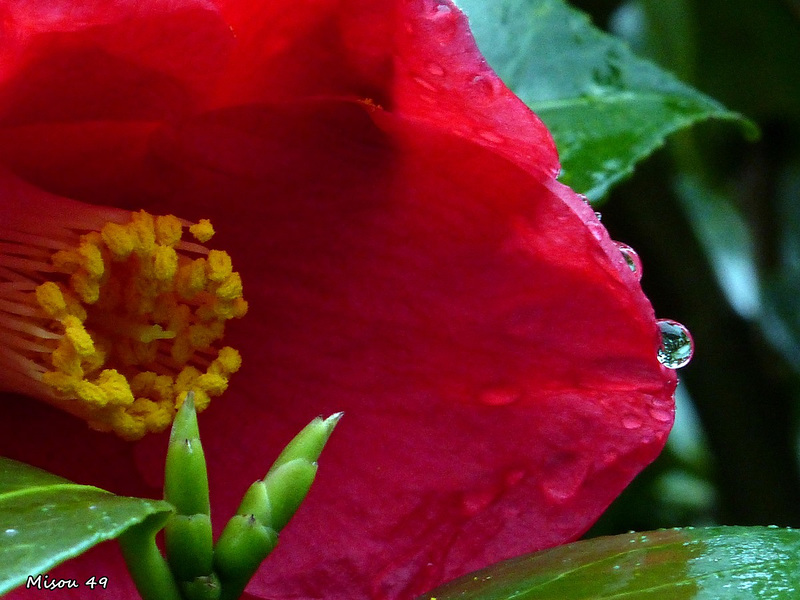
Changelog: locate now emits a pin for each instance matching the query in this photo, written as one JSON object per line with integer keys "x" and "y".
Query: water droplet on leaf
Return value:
{"x": 631, "y": 258}
{"x": 677, "y": 346}
{"x": 11, "y": 532}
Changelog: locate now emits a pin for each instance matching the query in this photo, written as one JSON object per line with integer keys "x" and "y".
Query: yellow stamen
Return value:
{"x": 202, "y": 230}
{"x": 110, "y": 316}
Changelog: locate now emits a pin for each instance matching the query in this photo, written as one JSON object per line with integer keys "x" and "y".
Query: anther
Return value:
{"x": 110, "y": 316}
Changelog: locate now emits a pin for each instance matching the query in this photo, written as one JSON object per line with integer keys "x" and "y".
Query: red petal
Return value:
{"x": 494, "y": 355}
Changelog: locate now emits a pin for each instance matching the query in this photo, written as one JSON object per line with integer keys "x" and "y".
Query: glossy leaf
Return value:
{"x": 44, "y": 520}
{"x": 606, "y": 108}
{"x": 680, "y": 564}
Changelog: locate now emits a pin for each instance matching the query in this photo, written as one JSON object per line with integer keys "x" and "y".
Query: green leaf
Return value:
{"x": 606, "y": 108}
{"x": 45, "y": 520}
{"x": 679, "y": 564}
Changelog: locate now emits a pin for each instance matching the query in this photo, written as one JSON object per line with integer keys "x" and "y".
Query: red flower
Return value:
{"x": 408, "y": 257}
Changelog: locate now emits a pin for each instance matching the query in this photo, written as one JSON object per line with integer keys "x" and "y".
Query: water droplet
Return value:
{"x": 677, "y": 345}
{"x": 499, "y": 396}
{"x": 435, "y": 69}
{"x": 492, "y": 137}
{"x": 11, "y": 532}
{"x": 632, "y": 258}
{"x": 424, "y": 84}
{"x": 93, "y": 507}
{"x": 631, "y": 422}
{"x": 489, "y": 86}
{"x": 566, "y": 476}
{"x": 661, "y": 415}
{"x": 599, "y": 215}
{"x": 437, "y": 10}
{"x": 477, "y": 501}
{"x": 513, "y": 477}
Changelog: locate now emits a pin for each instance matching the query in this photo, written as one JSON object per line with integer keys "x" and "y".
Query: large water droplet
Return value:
{"x": 631, "y": 258}
{"x": 11, "y": 532}
{"x": 677, "y": 345}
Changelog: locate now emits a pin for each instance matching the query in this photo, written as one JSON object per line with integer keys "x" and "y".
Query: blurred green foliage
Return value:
{"x": 716, "y": 220}
{"x": 715, "y": 217}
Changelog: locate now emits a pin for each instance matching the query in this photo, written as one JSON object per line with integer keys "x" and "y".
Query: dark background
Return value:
{"x": 716, "y": 221}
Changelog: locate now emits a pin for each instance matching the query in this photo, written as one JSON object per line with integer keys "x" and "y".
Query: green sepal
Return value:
{"x": 185, "y": 476}
{"x": 256, "y": 502}
{"x": 189, "y": 544}
{"x": 241, "y": 548}
{"x": 287, "y": 486}
{"x": 202, "y": 588}
{"x": 308, "y": 444}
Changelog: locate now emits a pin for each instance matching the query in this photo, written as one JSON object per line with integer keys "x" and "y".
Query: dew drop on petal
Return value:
{"x": 677, "y": 345}
{"x": 475, "y": 502}
{"x": 631, "y": 258}
{"x": 435, "y": 69}
{"x": 488, "y": 86}
{"x": 513, "y": 477}
{"x": 420, "y": 81}
{"x": 599, "y": 215}
{"x": 631, "y": 422}
{"x": 491, "y": 137}
{"x": 499, "y": 396}
{"x": 565, "y": 480}
{"x": 661, "y": 415}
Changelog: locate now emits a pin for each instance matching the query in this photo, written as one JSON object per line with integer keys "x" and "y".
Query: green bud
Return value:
{"x": 189, "y": 545}
{"x": 287, "y": 487}
{"x": 241, "y": 548}
{"x": 308, "y": 444}
{"x": 202, "y": 588}
{"x": 185, "y": 476}
{"x": 256, "y": 502}
{"x": 267, "y": 507}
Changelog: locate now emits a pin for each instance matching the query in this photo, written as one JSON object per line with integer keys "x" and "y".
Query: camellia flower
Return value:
{"x": 406, "y": 252}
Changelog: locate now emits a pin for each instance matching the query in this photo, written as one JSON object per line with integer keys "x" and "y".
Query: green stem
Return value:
{"x": 148, "y": 569}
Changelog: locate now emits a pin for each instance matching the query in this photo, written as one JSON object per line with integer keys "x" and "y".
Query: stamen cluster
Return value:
{"x": 114, "y": 318}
